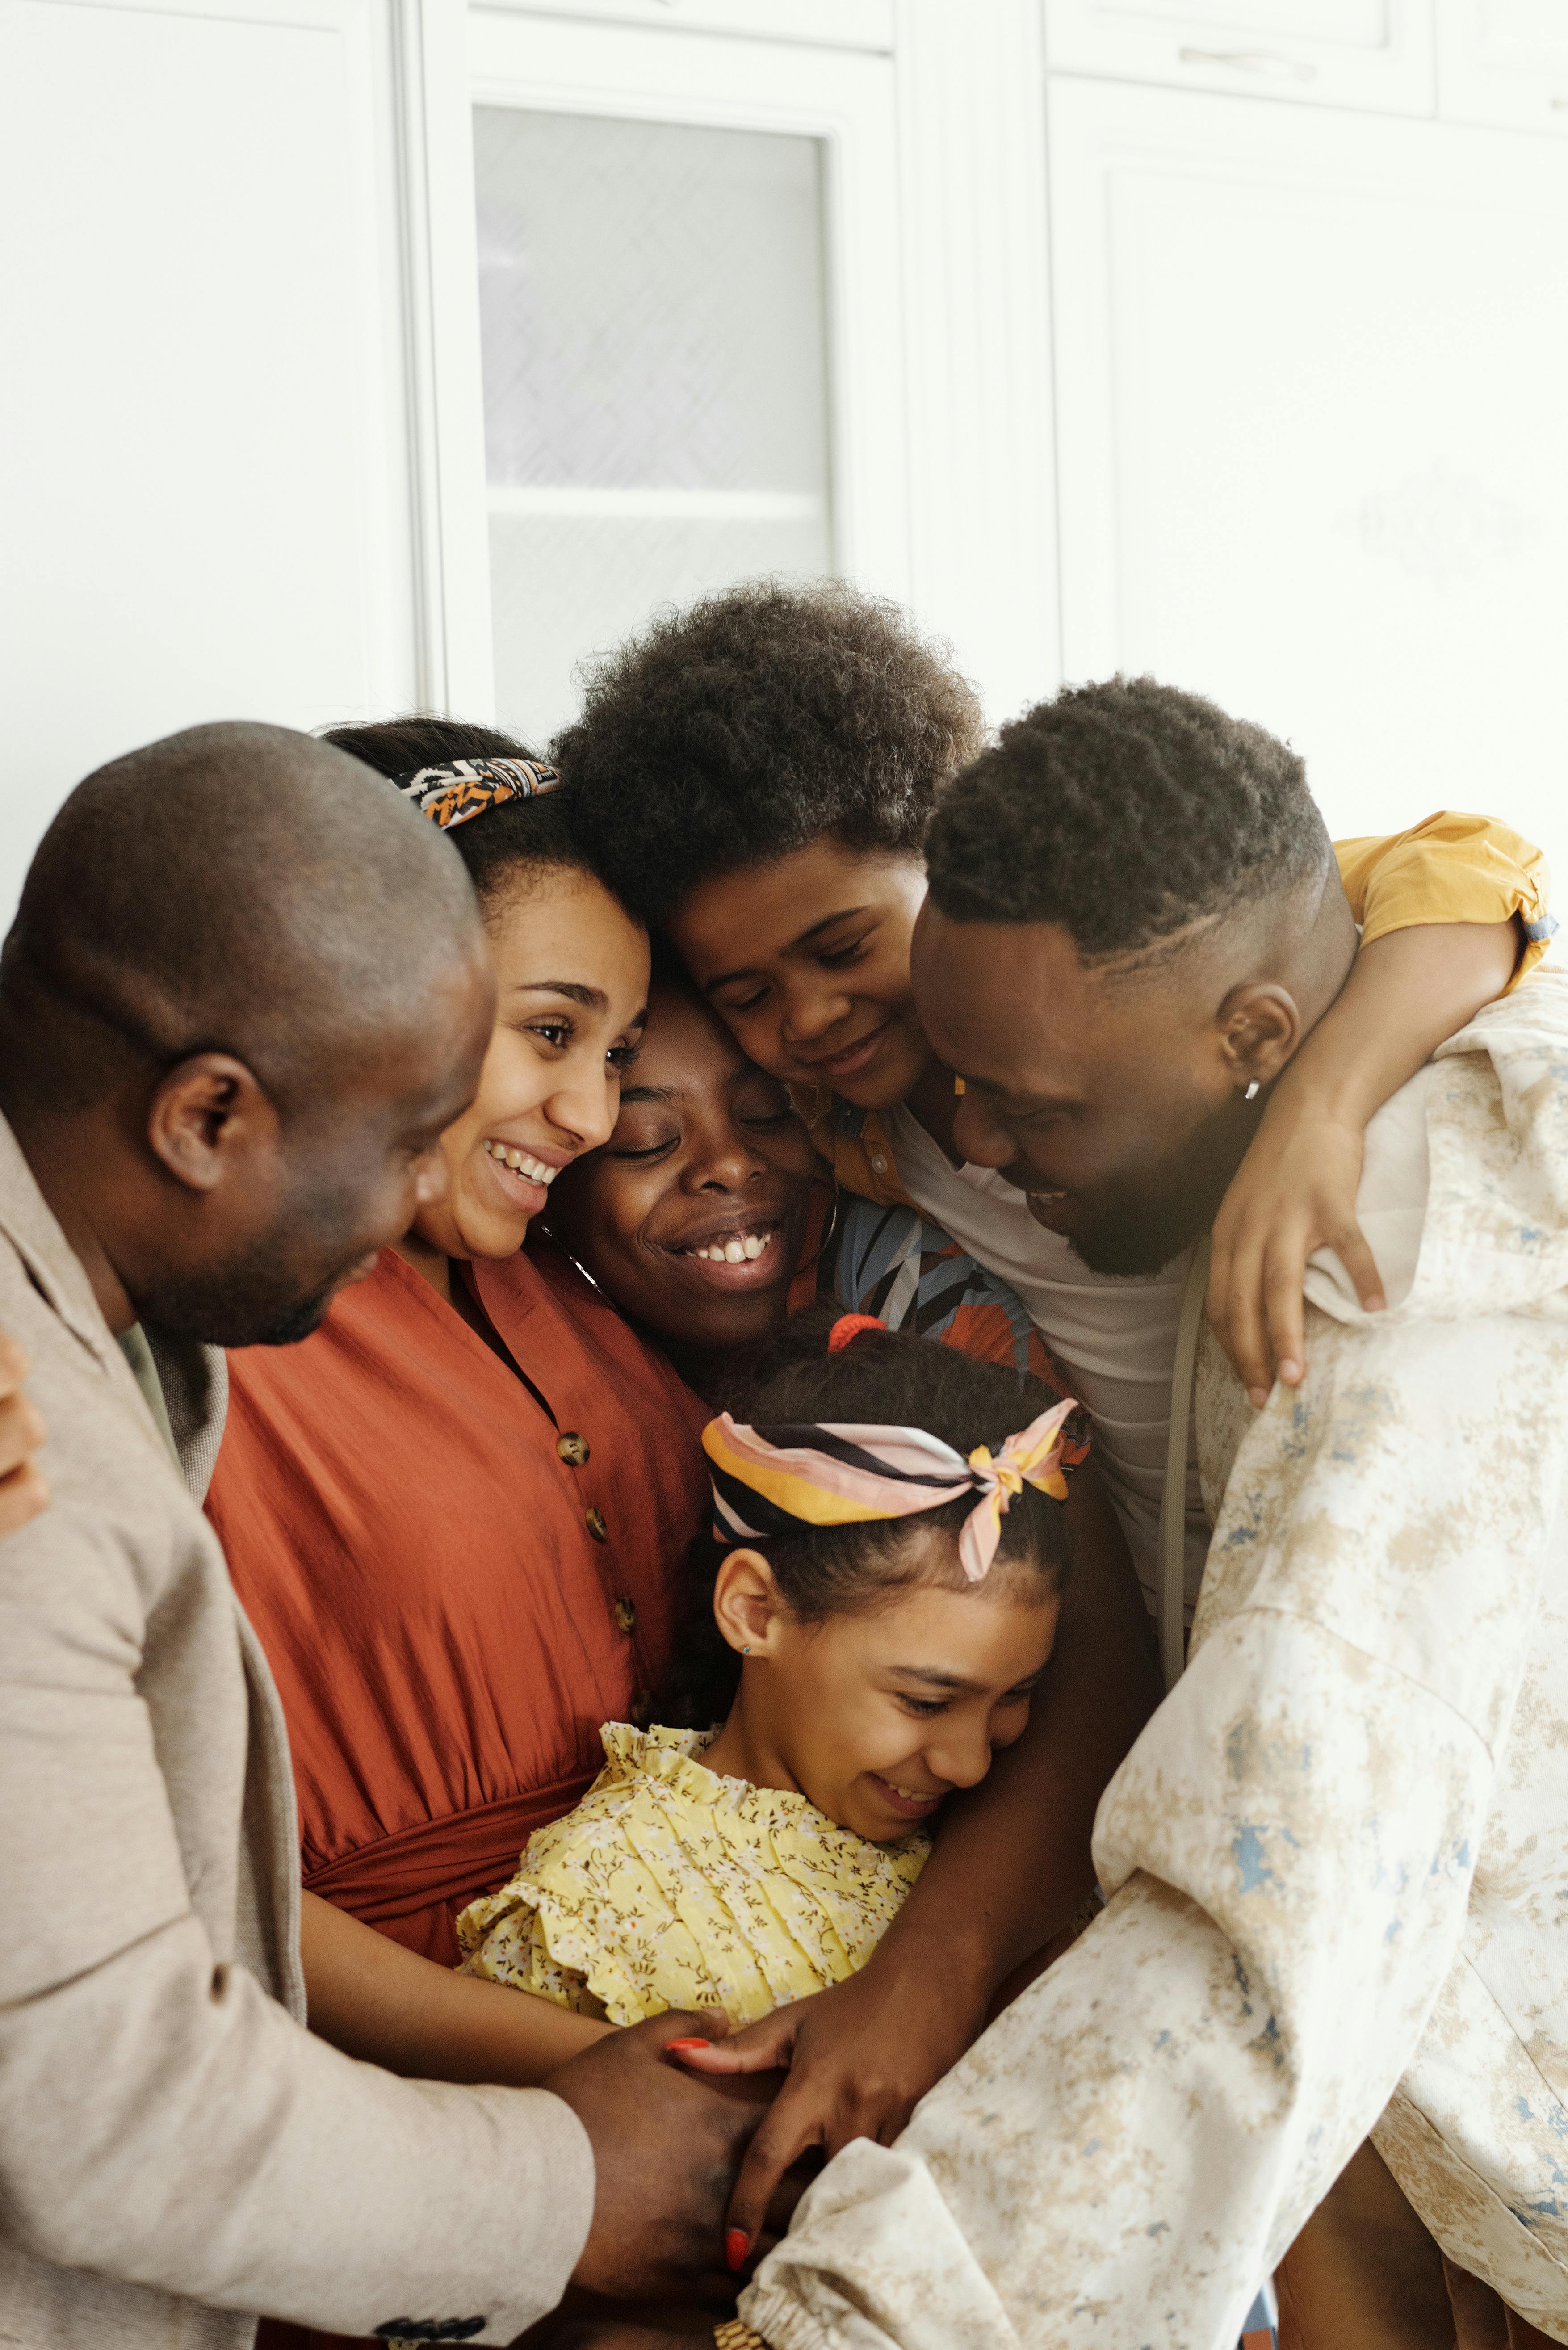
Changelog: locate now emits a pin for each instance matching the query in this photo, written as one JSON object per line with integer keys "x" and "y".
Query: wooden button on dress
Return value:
{"x": 596, "y": 1526}
{"x": 626, "y": 1614}
{"x": 573, "y": 1448}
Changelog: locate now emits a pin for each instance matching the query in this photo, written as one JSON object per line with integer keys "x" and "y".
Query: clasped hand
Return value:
{"x": 848, "y": 2062}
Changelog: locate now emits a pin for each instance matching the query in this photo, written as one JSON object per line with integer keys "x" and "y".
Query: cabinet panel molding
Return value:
{"x": 1310, "y": 450}
{"x": 826, "y": 23}
{"x": 981, "y": 475}
{"x": 1372, "y": 54}
{"x": 1505, "y": 62}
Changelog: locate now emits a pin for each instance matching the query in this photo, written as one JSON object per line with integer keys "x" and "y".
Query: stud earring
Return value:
{"x": 747, "y": 1649}
{"x": 1253, "y": 1090}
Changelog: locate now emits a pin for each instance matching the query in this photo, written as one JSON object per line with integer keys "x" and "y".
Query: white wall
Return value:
{"x": 204, "y": 454}
{"x": 1224, "y": 340}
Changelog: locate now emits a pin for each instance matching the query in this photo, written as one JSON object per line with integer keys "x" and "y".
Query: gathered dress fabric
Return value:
{"x": 460, "y": 1559}
{"x": 459, "y": 1565}
{"x": 670, "y": 1886}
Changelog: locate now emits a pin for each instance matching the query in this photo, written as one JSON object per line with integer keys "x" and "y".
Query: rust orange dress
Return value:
{"x": 459, "y": 1562}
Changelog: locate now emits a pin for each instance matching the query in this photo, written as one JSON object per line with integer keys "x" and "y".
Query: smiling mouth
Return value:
{"x": 735, "y": 1248}
{"x": 862, "y": 1048}
{"x": 912, "y": 1802}
{"x": 522, "y": 1162}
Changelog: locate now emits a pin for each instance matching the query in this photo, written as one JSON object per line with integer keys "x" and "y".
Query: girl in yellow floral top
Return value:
{"x": 892, "y": 1554}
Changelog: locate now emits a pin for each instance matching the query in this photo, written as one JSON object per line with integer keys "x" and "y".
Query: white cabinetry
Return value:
{"x": 1504, "y": 61}
{"x": 1361, "y": 53}
{"x": 693, "y": 327}
{"x": 914, "y": 135}
{"x": 1312, "y": 456}
{"x": 205, "y": 469}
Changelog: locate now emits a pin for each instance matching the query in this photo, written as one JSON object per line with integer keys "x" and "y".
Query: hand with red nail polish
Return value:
{"x": 667, "y": 2144}
{"x": 737, "y": 2244}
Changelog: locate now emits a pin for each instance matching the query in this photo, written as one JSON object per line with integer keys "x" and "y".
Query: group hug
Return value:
{"x": 783, "y": 1560}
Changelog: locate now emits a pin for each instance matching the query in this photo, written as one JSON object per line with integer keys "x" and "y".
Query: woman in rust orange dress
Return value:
{"x": 453, "y": 1514}
{"x": 456, "y": 1515}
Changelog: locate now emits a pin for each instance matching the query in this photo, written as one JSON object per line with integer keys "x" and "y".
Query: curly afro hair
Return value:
{"x": 758, "y": 721}
{"x": 1124, "y": 812}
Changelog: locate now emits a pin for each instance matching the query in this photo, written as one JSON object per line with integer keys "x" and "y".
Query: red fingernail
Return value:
{"x": 737, "y": 2244}
{"x": 684, "y": 2045}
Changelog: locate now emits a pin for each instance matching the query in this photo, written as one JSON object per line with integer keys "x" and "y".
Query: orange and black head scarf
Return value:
{"x": 777, "y": 1480}
{"x": 460, "y": 788}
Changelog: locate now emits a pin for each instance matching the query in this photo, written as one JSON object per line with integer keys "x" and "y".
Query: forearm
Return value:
{"x": 374, "y": 1999}
{"x": 1407, "y": 991}
{"x": 1012, "y": 1864}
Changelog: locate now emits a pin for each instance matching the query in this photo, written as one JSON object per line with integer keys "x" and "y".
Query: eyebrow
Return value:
{"x": 844, "y": 914}
{"x": 935, "y": 1678}
{"x": 592, "y": 999}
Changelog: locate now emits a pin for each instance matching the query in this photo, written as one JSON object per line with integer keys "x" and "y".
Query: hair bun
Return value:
{"x": 848, "y": 1326}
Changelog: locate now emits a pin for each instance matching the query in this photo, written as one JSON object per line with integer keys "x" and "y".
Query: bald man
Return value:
{"x": 246, "y": 990}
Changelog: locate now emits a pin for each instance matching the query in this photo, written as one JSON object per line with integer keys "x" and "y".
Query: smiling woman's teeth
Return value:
{"x": 741, "y": 1248}
{"x": 522, "y": 1164}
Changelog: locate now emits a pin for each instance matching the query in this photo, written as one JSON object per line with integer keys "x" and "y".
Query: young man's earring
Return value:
{"x": 747, "y": 1649}
{"x": 1253, "y": 1090}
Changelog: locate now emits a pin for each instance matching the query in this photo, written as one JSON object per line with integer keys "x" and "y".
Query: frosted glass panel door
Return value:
{"x": 656, "y": 396}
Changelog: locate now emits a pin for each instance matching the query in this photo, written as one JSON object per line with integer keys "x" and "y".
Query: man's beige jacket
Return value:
{"x": 176, "y": 2152}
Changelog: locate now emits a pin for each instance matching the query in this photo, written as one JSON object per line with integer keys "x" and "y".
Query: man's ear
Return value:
{"x": 1260, "y": 1028}
{"x": 208, "y": 1113}
{"x": 747, "y": 1603}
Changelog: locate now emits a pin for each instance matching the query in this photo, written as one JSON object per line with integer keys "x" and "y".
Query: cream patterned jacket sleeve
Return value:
{"x": 1334, "y": 1859}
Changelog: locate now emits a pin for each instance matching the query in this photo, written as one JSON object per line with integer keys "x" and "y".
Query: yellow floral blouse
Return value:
{"x": 671, "y": 1886}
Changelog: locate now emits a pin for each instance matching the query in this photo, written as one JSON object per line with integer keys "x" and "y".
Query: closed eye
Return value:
{"x": 642, "y": 1152}
{"x": 837, "y": 958}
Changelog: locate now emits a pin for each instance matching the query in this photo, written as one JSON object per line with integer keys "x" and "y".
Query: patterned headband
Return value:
{"x": 773, "y": 1480}
{"x": 461, "y": 788}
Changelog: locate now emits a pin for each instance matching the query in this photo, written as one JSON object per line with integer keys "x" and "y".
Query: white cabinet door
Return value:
{"x": 1312, "y": 456}
{"x": 692, "y": 329}
{"x": 1362, "y": 53}
{"x": 1504, "y": 61}
{"x": 204, "y": 466}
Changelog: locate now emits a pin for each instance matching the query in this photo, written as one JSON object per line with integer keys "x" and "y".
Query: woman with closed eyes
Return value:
{"x": 707, "y": 1217}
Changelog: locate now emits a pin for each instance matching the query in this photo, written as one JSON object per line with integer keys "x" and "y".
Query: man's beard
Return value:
{"x": 1141, "y": 1225}
{"x": 253, "y": 1302}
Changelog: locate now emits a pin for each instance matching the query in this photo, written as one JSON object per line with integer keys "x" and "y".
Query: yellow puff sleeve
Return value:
{"x": 1450, "y": 867}
{"x": 671, "y": 1886}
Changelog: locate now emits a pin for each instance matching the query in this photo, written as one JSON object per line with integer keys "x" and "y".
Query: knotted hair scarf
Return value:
{"x": 460, "y": 788}
{"x": 774, "y": 1480}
